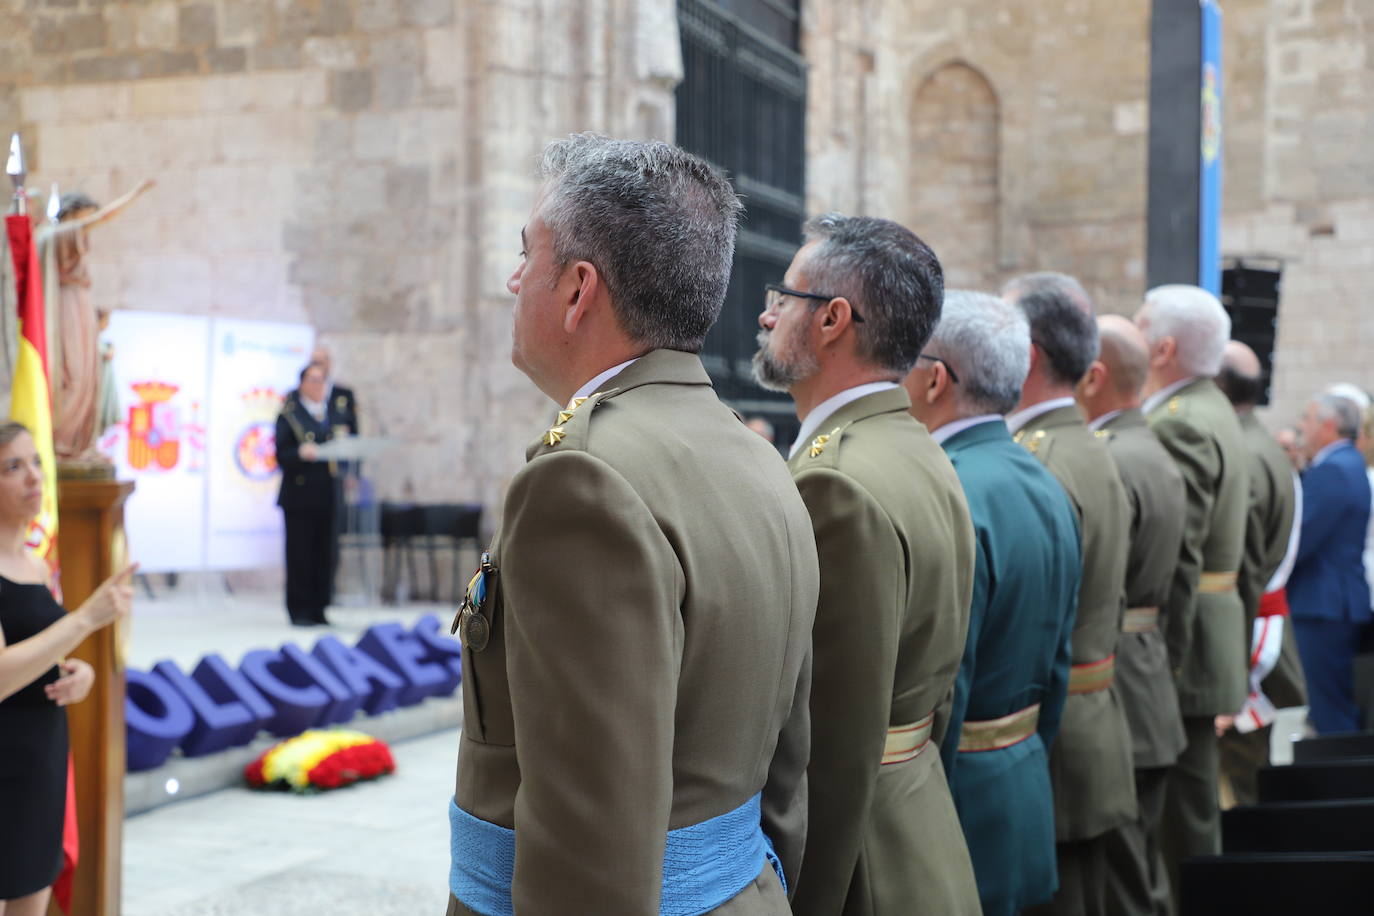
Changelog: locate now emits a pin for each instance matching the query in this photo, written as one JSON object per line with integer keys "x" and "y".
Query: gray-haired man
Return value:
{"x": 634, "y": 639}
{"x": 896, "y": 548}
{"x": 1094, "y": 785}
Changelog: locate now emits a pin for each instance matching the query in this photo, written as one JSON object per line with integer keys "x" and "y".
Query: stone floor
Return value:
{"x": 377, "y": 849}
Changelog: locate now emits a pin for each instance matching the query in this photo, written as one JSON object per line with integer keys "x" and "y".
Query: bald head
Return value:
{"x": 1124, "y": 354}
{"x": 1241, "y": 377}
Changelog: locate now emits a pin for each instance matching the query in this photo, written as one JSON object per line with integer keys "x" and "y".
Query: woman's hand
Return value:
{"x": 74, "y": 685}
{"x": 111, "y": 600}
{"x": 309, "y": 452}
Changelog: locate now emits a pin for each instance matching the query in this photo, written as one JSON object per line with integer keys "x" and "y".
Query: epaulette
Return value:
{"x": 1037, "y": 443}
{"x": 823, "y": 451}
{"x": 570, "y": 429}
{"x": 1105, "y": 434}
{"x": 1174, "y": 403}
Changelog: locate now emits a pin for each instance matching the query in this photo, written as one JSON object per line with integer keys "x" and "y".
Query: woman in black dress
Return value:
{"x": 36, "y": 681}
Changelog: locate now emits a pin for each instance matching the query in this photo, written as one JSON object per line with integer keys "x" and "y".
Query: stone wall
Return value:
{"x": 360, "y": 165}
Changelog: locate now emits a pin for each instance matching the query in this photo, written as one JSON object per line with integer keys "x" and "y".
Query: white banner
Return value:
{"x": 160, "y": 377}
{"x": 253, "y": 365}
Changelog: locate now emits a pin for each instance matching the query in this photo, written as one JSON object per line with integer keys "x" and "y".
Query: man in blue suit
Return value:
{"x": 1012, "y": 683}
{"x": 1328, "y": 595}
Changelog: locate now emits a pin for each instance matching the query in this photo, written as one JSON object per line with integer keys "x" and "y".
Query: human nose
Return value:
{"x": 513, "y": 281}
{"x": 768, "y": 319}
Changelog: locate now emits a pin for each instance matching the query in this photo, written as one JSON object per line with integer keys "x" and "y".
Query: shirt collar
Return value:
{"x": 1106, "y": 418}
{"x": 1018, "y": 420}
{"x": 595, "y": 384}
{"x": 1163, "y": 394}
{"x": 314, "y": 408}
{"x": 949, "y": 430}
{"x": 828, "y": 408}
{"x": 1326, "y": 452}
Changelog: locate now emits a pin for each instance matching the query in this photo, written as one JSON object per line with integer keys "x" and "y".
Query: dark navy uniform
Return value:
{"x": 308, "y": 502}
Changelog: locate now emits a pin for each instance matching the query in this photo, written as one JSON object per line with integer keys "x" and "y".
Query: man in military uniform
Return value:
{"x": 1090, "y": 763}
{"x": 307, "y": 498}
{"x": 341, "y": 399}
{"x": 1271, "y": 546}
{"x": 1204, "y": 622}
{"x": 1109, "y": 395}
{"x": 896, "y": 550}
{"x": 633, "y": 642}
{"x": 1014, "y": 676}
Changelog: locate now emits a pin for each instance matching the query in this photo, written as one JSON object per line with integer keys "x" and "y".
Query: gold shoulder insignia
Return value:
{"x": 1035, "y": 440}
{"x": 557, "y": 433}
{"x": 1174, "y": 402}
{"x": 554, "y": 435}
{"x": 818, "y": 443}
{"x": 1102, "y": 433}
{"x": 1020, "y": 434}
{"x": 341, "y": 402}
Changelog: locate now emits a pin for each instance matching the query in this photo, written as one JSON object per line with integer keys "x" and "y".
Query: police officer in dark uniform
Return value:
{"x": 307, "y": 497}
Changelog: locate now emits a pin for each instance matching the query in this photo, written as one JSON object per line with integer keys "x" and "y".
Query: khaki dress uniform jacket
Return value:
{"x": 1204, "y": 620}
{"x": 1090, "y": 763}
{"x": 653, "y": 603}
{"x": 896, "y": 550}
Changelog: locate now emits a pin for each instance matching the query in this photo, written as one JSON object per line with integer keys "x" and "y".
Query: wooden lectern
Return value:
{"x": 91, "y": 548}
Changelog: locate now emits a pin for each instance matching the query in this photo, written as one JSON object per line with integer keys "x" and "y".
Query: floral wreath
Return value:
{"x": 320, "y": 759}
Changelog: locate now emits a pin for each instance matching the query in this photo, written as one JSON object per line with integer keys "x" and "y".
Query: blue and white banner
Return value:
{"x": 1209, "y": 188}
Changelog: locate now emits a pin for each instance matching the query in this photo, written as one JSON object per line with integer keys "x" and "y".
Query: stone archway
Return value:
{"x": 952, "y": 173}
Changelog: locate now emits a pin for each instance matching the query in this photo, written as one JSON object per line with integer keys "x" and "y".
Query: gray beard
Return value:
{"x": 777, "y": 372}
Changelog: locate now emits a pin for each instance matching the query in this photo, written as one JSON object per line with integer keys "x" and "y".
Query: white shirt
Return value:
{"x": 1103, "y": 420}
{"x": 314, "y": 408}
{"x": 1019, "y": 419}
{"x": 1290, "y": 556}
{"x": 830, "y": 406}
{"x": 1163, "y": 394}
{"x": 595, "y": 384}
{"x": 1326, "y": 452}
{"x": 949, "y": 430}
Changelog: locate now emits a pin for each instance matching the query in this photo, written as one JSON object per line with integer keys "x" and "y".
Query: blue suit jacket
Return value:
{"x": 1025, "y": 597}
{"x": 1328, "y": 581}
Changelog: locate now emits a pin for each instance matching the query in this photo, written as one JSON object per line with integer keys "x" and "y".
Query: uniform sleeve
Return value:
{"x": 963, "y": 683}
{"x": 785, "y": 792}
{"x": 853, "y": 659}
{"x": 594, "y": 641}
{"x": 288, "y": 449}
{"x": 1199, "y": 462}
{"x": 1057, "y": 690}
{"x": 1254, "y": 573}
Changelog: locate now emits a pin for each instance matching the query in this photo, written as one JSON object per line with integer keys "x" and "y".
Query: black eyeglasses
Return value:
{"x": 774, "y": 292}
{"x": 948, "y": 368}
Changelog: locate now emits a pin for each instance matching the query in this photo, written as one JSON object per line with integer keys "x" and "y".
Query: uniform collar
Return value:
{"x": 601, "y": 378}
{"x": 944, "y": 433}
{"x": 1022, "y": 418}
{"x": 1119, "y": 419}
{"x": 831, "y": 406}
{"x": 1163, "y": 394}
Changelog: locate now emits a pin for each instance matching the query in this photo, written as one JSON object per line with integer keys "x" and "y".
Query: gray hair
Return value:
{"x": 1060, "y": 314}
{"x": 73, "y": 202}
{"x": 1344, "y": 411}
{"x": 657, "y": 223}
{"x": 1196, "y": 321}
{"x": 891, "y": 277}
{"x": 987, "y": 341}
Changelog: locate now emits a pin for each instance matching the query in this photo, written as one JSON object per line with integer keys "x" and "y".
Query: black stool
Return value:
{"x": 1277, "y": 885}
{"x": 1326, "y": 781}
{"x": 1297, "y": 827}
{"x": 1334, "y": 747}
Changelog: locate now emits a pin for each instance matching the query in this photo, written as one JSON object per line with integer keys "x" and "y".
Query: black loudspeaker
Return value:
{"x": 1250, "y": 292}
{"x": 1334, "y": 747}
{"x": 1276, "y": 885}
{"x": 1175, "y": 143}
{"x": 1336, "y": 779}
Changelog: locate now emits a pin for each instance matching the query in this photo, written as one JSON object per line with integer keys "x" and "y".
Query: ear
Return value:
{"x": 1093, "y": 379}
{"x": 579, "y": 287}
{"x": 834, "y": 317}
{"x": 1164, "y": 351}
{"x": 939, "y": 384}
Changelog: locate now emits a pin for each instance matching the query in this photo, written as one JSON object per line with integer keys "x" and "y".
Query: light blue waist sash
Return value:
{"x": 704, "y": 865}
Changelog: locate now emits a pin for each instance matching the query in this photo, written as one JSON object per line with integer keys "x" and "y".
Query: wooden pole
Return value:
{"x": 91, "y": 548}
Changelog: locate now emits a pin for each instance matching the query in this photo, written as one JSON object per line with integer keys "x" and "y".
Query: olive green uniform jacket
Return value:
{"x": 656, "y": 591}
{"x": 896, "y": 549}
{"x": 1209, "y": 644}
{"x": 1154, "y": 487}
{"x": 1273, "y": 505}
{"x": 1090, "y": 764}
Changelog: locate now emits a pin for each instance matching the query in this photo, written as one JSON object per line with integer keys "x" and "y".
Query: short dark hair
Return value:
{"x": 311, "y": 365}
{"x": 1240, "y": 389}
{"x": 891, "y": 277}
{"x": 73, "y": 202}
{"x": 1062, "y": 322}
{"x": 657, "y": 222}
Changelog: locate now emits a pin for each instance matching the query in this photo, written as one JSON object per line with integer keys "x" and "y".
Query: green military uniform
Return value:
{"x": 1137, "y": 881}
{"x": 639, "y": 649}
{"x": 1273, "y": 504}
{"x": 896, "y": 552}
{"x": 1204, "y": 623}
{"x": 1090, "y": 763}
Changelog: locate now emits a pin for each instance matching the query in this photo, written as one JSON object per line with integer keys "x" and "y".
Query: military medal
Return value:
{"x": 473, "y": 626}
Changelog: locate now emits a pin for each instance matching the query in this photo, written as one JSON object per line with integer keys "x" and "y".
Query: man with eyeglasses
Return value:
{"x": 1015, "y": 671}
{"x": 1090, "y": 763}
{"x": 896, "y": 553}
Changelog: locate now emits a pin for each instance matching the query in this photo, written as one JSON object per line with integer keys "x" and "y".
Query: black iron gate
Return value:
{"x": 742, "y": 105}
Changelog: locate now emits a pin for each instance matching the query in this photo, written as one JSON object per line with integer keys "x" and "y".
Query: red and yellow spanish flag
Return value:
{"x": 30, "y": 399}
